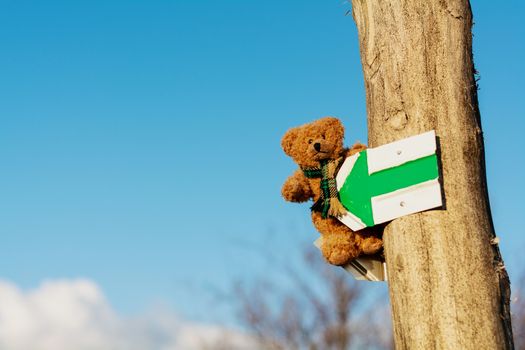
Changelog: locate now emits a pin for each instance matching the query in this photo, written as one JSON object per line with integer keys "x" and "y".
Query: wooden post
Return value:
{"x": 448, "y": 285}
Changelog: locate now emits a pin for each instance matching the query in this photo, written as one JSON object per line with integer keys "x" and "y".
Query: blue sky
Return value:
{"x": 140, "y": 140}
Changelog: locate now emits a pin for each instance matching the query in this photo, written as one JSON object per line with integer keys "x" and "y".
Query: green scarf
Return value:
{"x": 329, "y": 192}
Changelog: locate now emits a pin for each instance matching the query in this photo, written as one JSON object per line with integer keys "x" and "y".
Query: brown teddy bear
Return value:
{"x": 317, "y": 148}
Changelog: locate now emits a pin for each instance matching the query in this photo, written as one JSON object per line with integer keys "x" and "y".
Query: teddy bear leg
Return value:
{"x": 370, "y": 242}
{"x": 339, "y": 244}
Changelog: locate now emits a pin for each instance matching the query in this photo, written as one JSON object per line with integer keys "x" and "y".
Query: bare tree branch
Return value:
{"x": 315, "y": 307}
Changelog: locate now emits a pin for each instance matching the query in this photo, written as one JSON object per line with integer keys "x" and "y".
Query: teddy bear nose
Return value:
{"x": 317, "y": 146}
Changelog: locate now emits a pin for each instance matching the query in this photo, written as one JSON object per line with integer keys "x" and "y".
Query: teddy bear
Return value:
{"x": 317, "y": 148}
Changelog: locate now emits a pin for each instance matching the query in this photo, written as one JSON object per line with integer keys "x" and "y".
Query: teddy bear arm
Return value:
{"x": 356, "y": 148}
{"x": 297, "y": 188}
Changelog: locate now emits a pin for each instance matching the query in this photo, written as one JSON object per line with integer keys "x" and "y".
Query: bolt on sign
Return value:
{"x": 387, "y": 182}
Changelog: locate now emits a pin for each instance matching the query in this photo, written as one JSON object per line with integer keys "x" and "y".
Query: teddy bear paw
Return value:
{"x": 339, "y": 255}
{"x": 371, "y": 245}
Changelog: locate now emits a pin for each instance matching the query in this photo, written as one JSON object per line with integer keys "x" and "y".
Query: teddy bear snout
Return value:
{"x": 322, "y": 148}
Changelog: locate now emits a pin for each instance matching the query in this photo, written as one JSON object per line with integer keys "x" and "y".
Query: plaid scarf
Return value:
{"x": 328, "y": 186}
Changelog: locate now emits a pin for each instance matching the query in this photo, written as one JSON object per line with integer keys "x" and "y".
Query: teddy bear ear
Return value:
{"x": 288, "y": 140}
{"x": 334, "y": 126}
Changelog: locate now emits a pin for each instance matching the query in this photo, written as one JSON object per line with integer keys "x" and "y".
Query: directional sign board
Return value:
{"x": 367, "y": 268}
{"x": 387, "y": 182}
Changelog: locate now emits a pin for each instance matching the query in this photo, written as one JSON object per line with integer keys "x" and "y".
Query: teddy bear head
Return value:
{"x": 310, "y": 143}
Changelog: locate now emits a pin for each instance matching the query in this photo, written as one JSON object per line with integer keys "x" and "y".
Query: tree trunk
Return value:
{"x": 448, "y": 285}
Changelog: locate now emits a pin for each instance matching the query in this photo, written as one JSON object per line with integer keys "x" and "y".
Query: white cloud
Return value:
{"x": 74, "y": 314}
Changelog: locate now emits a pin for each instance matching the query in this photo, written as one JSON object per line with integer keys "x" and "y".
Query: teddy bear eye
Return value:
{"x": 310, "y": 141}
{"x": 322, "y": 136}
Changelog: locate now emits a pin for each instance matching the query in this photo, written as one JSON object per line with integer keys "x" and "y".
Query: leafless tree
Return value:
{"x": 318, "y": 307}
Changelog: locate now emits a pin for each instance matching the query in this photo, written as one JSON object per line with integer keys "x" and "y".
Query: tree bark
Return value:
{"x": 448, "y": 286}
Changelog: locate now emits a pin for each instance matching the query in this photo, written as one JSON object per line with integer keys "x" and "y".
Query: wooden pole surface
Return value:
{"x": 448, "y": 286}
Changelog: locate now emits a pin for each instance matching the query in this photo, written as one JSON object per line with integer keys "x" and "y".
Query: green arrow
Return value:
{"x": 359, "y": 187}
